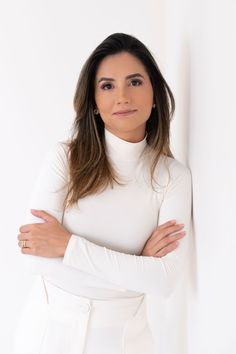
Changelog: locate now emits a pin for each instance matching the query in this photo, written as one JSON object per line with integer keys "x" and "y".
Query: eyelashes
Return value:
{"x": 107, "y": 86}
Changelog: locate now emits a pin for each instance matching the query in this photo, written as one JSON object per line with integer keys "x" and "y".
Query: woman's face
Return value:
{"x": 123, "y": 85}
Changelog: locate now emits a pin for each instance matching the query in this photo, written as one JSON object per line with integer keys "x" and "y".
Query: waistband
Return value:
{"x": 102, "y": 311}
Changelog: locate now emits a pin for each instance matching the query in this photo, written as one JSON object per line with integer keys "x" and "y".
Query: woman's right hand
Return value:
{"x": 164, "y": 239}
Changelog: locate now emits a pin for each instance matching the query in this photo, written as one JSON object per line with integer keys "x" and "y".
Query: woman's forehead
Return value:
{"x": 120, "y": 64}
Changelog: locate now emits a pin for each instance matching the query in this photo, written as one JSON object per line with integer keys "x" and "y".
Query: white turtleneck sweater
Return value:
{"x": 109, "y": 229}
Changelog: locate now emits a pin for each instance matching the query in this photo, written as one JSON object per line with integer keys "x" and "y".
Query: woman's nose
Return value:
{"x": 122, "y": 96}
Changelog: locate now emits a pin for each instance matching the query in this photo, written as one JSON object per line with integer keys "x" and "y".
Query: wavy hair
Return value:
{"x": 89, "y": 168}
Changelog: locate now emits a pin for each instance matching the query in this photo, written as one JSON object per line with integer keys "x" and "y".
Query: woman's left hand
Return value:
{"x": 48, "y": 239}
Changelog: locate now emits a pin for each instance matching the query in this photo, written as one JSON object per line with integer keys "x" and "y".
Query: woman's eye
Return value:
{"x": 106, "y": 86}
{"x": 136, "y": 82}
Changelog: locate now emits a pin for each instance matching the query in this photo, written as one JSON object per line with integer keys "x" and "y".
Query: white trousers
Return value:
{"x": 54, "y": 321}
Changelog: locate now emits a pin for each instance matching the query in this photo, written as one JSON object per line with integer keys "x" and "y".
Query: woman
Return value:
{"x": 114, "y": 207}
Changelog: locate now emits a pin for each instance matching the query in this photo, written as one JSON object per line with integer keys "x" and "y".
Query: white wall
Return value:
{"x": 213, "y": 163}
{"x": 201, "y": 56}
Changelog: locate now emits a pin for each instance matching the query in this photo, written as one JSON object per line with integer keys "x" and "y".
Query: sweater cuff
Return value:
{"x": 77, "y": 255}
{"x": 70, "y": 251}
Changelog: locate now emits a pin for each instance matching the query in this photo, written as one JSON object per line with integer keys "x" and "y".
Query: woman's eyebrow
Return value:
{"x": 127, "y": 77}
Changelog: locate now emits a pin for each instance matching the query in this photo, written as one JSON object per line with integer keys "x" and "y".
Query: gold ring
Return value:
{"x": 23, "y": 243}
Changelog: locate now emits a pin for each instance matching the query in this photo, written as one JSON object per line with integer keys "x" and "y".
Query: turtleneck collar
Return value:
{"x": 122, "y": 150}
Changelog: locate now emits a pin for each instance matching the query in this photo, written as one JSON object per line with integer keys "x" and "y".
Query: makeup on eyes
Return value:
{"x": 140, "y": 82}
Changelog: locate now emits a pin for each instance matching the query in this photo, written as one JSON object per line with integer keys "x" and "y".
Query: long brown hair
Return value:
{"x": 89, "y": 169}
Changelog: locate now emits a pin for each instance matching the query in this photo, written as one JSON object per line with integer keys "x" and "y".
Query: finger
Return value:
{"x": 158, "y": 234}
{"x": 23, "y": 236}
{"x": 26, "y": 250}
{"x": 30, "y": 227}
{"x": 171, "y": 229}
{"x": 164, "y": 251}
{"x": 168, "y": 223}
{"x": 26, "y": 228}
{"x": 27, "y": 244}
{"x": 169, "y": 239}
{"x": 43, "y": 215}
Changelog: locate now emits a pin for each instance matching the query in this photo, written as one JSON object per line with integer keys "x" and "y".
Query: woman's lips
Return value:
{"x": 125, "y": 113}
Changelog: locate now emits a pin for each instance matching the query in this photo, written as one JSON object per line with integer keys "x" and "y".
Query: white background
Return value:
{"x": 43, "y": 45}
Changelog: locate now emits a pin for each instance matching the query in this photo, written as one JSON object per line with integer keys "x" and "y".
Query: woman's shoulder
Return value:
{"x": 57, "y": 155}
{"x": 169, "y": 170}
{"x": 175, "y": 167}
{"x": 59, "y": 148}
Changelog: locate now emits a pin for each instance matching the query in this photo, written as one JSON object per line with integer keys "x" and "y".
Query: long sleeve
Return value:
{"x": 48, "y": 194}
{"x": 153, "y": 275}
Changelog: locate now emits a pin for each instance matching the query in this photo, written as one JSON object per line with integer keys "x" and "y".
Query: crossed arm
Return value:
{"x": 144, "y": 273}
